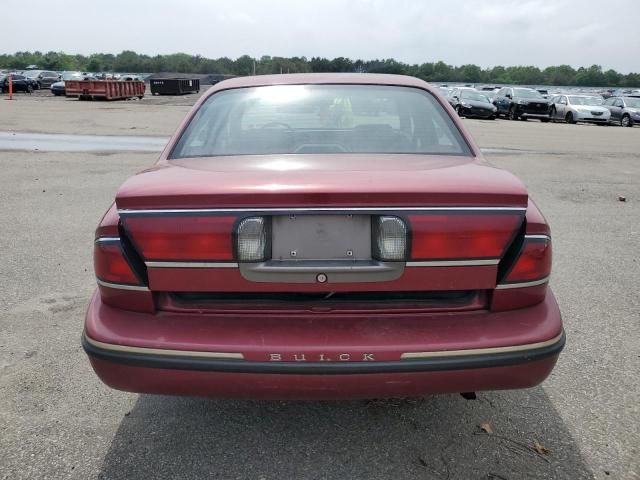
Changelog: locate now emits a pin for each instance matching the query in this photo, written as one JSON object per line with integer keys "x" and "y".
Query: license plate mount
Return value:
{"x": 321, "y": 237}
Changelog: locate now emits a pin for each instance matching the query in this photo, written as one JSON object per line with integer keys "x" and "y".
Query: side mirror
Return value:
{"x": 508, "y": 95}
{"x": 455, "y": 97}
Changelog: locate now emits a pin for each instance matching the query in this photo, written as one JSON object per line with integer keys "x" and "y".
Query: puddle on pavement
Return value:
{"x": 49, "y": 142}
{"x": 53, "y": 142}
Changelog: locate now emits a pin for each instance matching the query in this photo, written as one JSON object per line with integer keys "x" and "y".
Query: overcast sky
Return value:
{"x": 484, "y": 32}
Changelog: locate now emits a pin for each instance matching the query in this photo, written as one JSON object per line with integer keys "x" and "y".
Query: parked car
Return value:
{"x": 454, "y": 94}
{"x": 543, "y": 91}
{"x": 490, "y": 93}
{"x": 624, "y": 110}
{"x": 444, "y": 91}
{"x": 522, "y": 103}
{"x": 42, "y": 78}
{"x": 474, "y": 104}
{"x": 579, "y": 108}
{"x": 58, "y": 87}
{"x": 20, "y": 83}
{"x": 288, "y": 244}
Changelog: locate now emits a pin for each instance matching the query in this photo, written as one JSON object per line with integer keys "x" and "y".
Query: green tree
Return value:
{"x": 590, "y": 77}
{"x": 560, "y": 75}
{"x": 130, "y": 61}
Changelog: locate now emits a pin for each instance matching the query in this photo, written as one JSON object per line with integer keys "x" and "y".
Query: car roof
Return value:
{"x": 319, "y": 79}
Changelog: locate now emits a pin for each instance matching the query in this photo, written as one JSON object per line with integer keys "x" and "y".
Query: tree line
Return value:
{"x": 132, "y": 62}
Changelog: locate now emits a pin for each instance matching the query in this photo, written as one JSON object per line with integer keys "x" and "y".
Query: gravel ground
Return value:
{"x": 58, "y": 421}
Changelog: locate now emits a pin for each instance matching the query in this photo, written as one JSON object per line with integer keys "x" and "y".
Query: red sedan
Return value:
{"x": 322, "y": 236}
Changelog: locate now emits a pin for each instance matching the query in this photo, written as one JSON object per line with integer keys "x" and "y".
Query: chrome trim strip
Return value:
{"x": 107, "y": 239}
{"x": 122, "y": 286}
{"x": 319, "y": 209}
{"x": 504, "y": 286}
{"x": 482, "y": 351}
{"x": 192, "y": 264}
{"x": 454, "y": 263}
{"x": 435, "y": 263}
{"x": 540, "y": 237}
{"x": 160, "y": 351}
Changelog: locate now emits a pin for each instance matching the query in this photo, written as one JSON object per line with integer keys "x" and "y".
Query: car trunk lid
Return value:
{"x": 321, "y": 180}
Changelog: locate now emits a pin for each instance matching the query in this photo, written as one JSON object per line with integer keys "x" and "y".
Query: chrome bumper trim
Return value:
{"x": 159, "y": 351}
{"x": 534, "y": 283}
{"x": 122, "y": 286}
{"x": 484, "y": 351}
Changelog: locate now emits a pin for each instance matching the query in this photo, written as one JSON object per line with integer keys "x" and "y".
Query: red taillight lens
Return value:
{"x": 183, "y": 237}
{"x": 533, "y": 262}
{"x": 110, "y": 263}
{"x": 453, "y": 236}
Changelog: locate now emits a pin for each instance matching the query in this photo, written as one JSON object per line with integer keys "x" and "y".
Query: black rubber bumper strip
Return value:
{"x": 432, "y": 364}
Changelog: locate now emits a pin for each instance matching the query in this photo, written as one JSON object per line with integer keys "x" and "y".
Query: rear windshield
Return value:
{"x": 289, "y": 119}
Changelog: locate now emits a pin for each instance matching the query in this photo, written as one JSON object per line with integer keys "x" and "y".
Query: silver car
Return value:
{"x": 624, "y": 110}
{"x": 579, "y": 108}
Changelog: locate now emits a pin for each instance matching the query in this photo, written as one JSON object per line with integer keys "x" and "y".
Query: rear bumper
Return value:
{"x": 322, "y": 356}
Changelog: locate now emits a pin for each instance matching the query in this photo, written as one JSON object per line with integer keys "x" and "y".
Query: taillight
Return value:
{"x": 110, "y": 263}
{"x": 118, "y": 283}
{"x": 525, "y": 284}
{"x": 251, "y": 240}
{"x": 389, "y": 239}
{"x": 188, "y": 237}
{"x": 533, "y": 262}
{"x": 453, "y": 236}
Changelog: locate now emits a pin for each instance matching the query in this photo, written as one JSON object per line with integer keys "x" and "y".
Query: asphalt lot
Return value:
{"x": 58, "y": 421}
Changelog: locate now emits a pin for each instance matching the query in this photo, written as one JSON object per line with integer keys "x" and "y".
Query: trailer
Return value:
{"x": 104, "y": 89}
{"x": 174, "y": 86}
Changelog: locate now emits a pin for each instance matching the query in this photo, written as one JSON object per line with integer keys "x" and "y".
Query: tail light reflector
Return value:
{"x": 189, "y": 237}
{"x": 252, "y": 240}
{"x": 453, "y": 236}
{"x": 110, "y": 263}
{"x": 389, "y": 239}
{"x": 533, "y": 262}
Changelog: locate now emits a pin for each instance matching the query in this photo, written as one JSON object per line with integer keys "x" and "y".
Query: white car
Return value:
{"x": 579, "y": 108}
